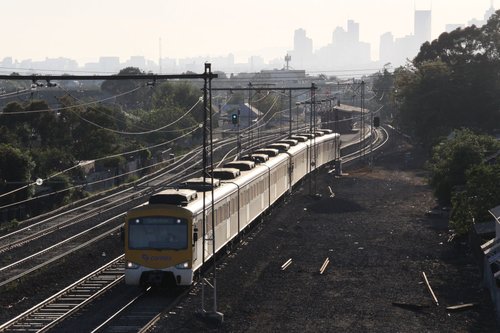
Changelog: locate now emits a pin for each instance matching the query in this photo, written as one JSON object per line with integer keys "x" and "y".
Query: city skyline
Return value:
{"x": 340, "y": 38}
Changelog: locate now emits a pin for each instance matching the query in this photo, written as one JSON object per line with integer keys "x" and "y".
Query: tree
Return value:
{"x": 453, "y": 157}
{"x": 125, "y": 90}
{"x": 51, "y": 160}
{"x": 452, "y": 83}
{"x": 481, "y": 193}
{"x": 94, "y": 136}
{"x": 15, "y": 172}
{"x": 383, "y": 87}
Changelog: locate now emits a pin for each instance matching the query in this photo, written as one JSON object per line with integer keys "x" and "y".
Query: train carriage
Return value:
{"x": 164, "y": 238}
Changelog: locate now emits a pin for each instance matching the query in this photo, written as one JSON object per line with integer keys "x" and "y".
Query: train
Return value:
{"x": 165, "y": 240}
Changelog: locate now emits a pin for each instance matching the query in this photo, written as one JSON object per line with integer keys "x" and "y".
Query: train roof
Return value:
{"x": 291, "y": 142}
{"x": 175, "y": 197}
{"x": 271, "y": 152}
{"x": 325, "y": 130}
{"x": 282, "y": 147}
{"x": 199, "y": 184}
{"x": 226, "y": 173}
{"x": 241, "y": 165}
{"x": 193, "y": 201}
{"x": 299, "y": 138}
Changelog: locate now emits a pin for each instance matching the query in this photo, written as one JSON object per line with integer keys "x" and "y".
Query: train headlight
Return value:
{"x": 184, "y": 265}
{"x": 131, "y": 265}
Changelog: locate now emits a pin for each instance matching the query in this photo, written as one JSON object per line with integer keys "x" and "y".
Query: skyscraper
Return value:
{"x": 302, "y": 49}
{"x": 422, "y": 26}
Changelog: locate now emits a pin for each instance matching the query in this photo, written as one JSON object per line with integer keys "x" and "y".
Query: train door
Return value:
{"x": 195, "y": 242}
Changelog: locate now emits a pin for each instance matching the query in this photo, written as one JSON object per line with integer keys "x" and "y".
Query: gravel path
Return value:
{"x": 378, "y": 240}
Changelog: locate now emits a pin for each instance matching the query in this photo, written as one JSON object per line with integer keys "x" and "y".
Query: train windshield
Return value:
{"x": 158, "y": 232}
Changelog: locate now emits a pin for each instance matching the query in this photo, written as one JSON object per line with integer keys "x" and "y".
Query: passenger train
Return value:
{"x": 164, "y": 240}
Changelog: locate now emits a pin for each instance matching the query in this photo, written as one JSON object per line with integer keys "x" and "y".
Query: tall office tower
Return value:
{"x": 422, "y": 26}
{"x": 386, "y": 48}
{"x": 302, "y": 49}
{"x": 353, "y": 31}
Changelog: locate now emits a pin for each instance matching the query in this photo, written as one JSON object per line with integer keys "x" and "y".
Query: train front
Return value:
{"x": 158, "y": 248}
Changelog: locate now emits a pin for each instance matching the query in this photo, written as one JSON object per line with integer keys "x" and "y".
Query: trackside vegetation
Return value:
{"x": 447, "y": 100}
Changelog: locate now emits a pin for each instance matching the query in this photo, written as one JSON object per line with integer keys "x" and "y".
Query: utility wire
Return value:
{"x": 73, "y": 106}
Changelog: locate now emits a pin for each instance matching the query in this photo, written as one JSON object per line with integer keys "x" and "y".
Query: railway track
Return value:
{"x": 22, "y": 267}
{"x": 113, "y": 322}
{"x": 60, "y": 306}
{"x": 381, "y": 136}
{"x": 141, "y": 312}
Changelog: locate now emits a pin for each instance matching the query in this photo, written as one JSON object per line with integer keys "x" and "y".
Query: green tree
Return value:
{"x": 51, "y": 160}
{"x": 383, "y": 87}
{"x": 452, "y": 83}
{"x": 15, "y": 172}
{"x": 481, "y": 193}
{"x": 94, "y": 135}
{"x": 126, "y": 92}
{"x": 453, "y": 157}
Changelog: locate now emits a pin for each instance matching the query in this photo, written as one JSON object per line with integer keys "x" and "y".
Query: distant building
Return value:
{"x": 137, "y": 61}
{"x": 302, "y": 53}
{"x": 256, "y": 63}
{"x": 396, "y": 51}
{"x": 7, "y": 62}
{"x": 109, "y": 64}
{"x": 386, "y": 48}
{"x": 345, "y": 50}
{"x": 452, "y": 27}
{"x": 487, "y": 15}
{"x": 422, "y": 26}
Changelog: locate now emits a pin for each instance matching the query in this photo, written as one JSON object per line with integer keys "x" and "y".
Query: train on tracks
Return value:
{"x": 165, "y": 239}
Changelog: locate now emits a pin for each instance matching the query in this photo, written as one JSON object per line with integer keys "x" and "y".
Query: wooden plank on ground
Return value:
{"x": 430, "y": 289}
{"x": 460, "y": 307}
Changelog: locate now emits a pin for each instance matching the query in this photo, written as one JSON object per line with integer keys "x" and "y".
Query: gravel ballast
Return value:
{"x": 378, "y": 240}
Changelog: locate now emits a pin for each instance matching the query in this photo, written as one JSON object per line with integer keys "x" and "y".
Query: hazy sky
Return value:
{"x": 86, "y": 29}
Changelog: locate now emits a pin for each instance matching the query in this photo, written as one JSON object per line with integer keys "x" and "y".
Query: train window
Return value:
{"x": 158, "y": 232}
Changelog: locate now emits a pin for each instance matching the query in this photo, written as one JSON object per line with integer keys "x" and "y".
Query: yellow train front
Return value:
{"x": 158, "y": 245}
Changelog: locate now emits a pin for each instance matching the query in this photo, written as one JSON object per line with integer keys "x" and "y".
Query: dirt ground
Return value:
{"x": 378, "y": 240}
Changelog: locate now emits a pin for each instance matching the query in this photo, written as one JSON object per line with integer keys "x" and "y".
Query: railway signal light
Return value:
{"x": 234, "y": 118}
{"x": 376, "y": 122}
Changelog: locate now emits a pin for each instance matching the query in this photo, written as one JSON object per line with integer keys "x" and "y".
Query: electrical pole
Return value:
{"x": 214, "y": 315}
{"x": 238, "y": 132}
{"x": 290, "y": 112}
{"x": 249, "y": 129}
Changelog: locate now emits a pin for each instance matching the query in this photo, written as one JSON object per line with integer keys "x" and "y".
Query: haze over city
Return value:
{"x": 86, "y": 31}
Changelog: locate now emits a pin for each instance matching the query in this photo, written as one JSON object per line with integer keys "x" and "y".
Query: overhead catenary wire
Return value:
{"x": 72, "y": 106}
{"x": 135, "y": 133}
{"x": 143, "y": 132}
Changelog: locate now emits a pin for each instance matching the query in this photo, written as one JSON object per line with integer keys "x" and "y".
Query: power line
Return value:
{"x": 73, "y": 106}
